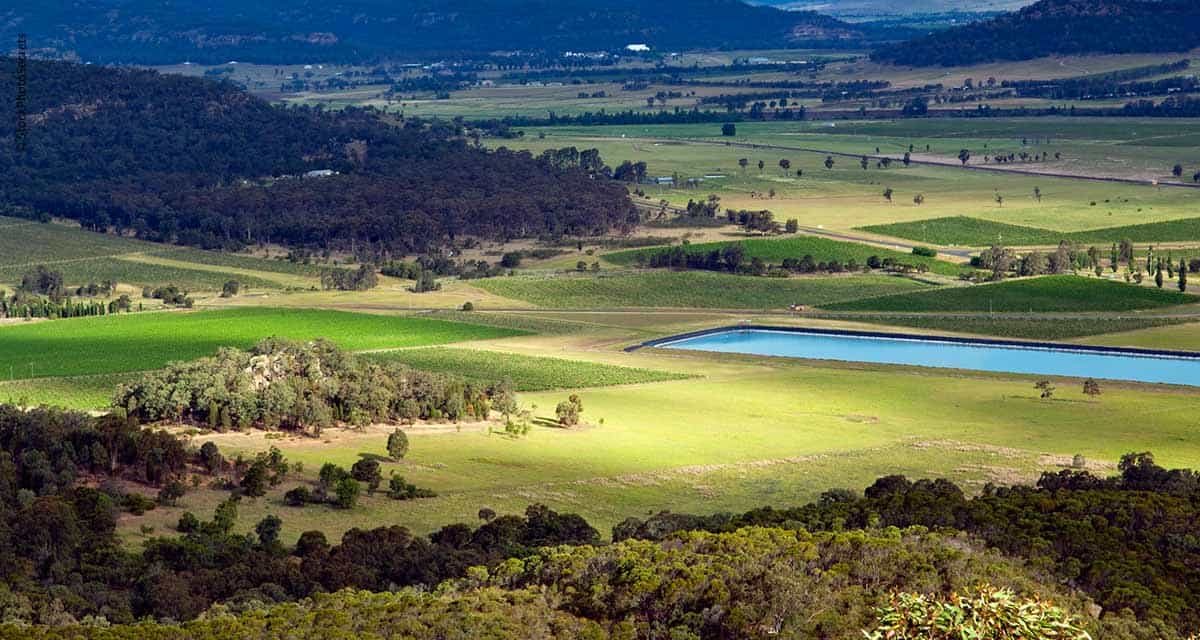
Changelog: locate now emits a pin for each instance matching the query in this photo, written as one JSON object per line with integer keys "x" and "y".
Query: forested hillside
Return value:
{"x": 151, "y": 32}
{"x": 202, "y": 163}
{"x": 1055, "y": 27}
{"x": 824, "y": 569}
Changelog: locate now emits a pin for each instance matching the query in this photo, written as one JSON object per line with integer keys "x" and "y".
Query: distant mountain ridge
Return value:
{"x": 162, "y": 31}
{"x": 1058, "y": 27}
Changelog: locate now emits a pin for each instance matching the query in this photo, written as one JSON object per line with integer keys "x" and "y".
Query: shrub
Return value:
{"x": 397, "y": 444}
{"x": 568, "y": 411}
{"x": 987, "y": 614}
{"x": 925, "y": 252}
{"x": 298, "y": 497}
{"x": 367, "y": 472}
{"x": 346, "y": 493}
{"x": 400, "y": 489}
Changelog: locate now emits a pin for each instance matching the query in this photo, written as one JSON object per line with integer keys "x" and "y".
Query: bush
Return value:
{"x": 346, "y": 493}
{"x": 400, "y": 489}
{"x": 298, "y": 497}
{"x": 925, "y": 252}
{"x": 568, "y": 411}
{"x": 989, "y": 613}
{"x": 188, "y": 523}
{"x": 367, "y": 472}
{"x": 397, "y": 444}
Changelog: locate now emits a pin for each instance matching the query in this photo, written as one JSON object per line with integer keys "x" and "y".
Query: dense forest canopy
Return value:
{"x": 200, "y": 162}
{"x": 1056, "y": 27}
{"x": 214, "y": 32}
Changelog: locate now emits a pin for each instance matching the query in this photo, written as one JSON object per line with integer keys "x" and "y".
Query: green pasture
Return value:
{"x": 141, "y": 341}
{"x": 527, "y": 373}
{"x": 692, "y": 289}
{"x": 847, "y": 196}
{"x": 1042, "y": 294}
{"x": 749, "y": 433}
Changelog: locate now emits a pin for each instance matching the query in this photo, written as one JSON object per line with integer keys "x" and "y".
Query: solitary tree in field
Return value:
{"x": 1045, "y": 387}
{"x": 568, "y": 411}
{"x": 919, "y": 199}
{"x": 828, "y": 162}
{"x": 742, "y": 162}
{"x": 1091, "y": 388}
{"x": 963, "y": 156}
{"x": 887, "y": 194}
{"x": 728, "y": 129}
{"x": 397, "y": 444}
{"x": 1177, "y": 170}
{"x": 785, "y": 164}
{"x": 1182, "y": 275}
{"x": 799, "y": 173}
{"x": 863, "y": 163}
{"x": 761, "y": 164}
{"x": 907, "y": 157}
{"x": 999, "y": 199}
{"x": 1158, "y": 276}
{"x": 1037, "y": 194}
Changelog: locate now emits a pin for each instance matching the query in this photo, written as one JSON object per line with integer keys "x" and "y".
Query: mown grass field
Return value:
{"x": 527, "y": 373}
{"x": 961, "y": 230}
{"x": 141, "y": 341}
{"x": 693, "y": 289}
{"x": 774, "y": 251}
{"x": 1043, "y": 294}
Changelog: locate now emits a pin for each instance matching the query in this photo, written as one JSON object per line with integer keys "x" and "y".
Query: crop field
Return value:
{"x": 527, "y": 373}
{"x": 694, "y": 289}
{"x": 1043, "y": 294}
{"x": 1024, "y": 328}
{"x": 85, "y": 393}
{"x": 774, "y": 251}
{"x": 965, "y": 231}
{"x": 141, "y": 341}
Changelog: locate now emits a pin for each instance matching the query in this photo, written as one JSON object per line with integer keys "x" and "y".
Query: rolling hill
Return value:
{"x": 1058, "y": 27}
{"x": 201, "y": 163}
{"x": 157, "y": 32}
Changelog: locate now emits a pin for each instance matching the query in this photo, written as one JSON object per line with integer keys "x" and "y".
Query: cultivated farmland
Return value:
{"x": 140, "y": 341}
{"x": 692, "y": 289}
{"x": 1048, "y": 293}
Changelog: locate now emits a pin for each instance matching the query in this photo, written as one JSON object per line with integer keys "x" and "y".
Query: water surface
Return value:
{"x": 945, "y": 353}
